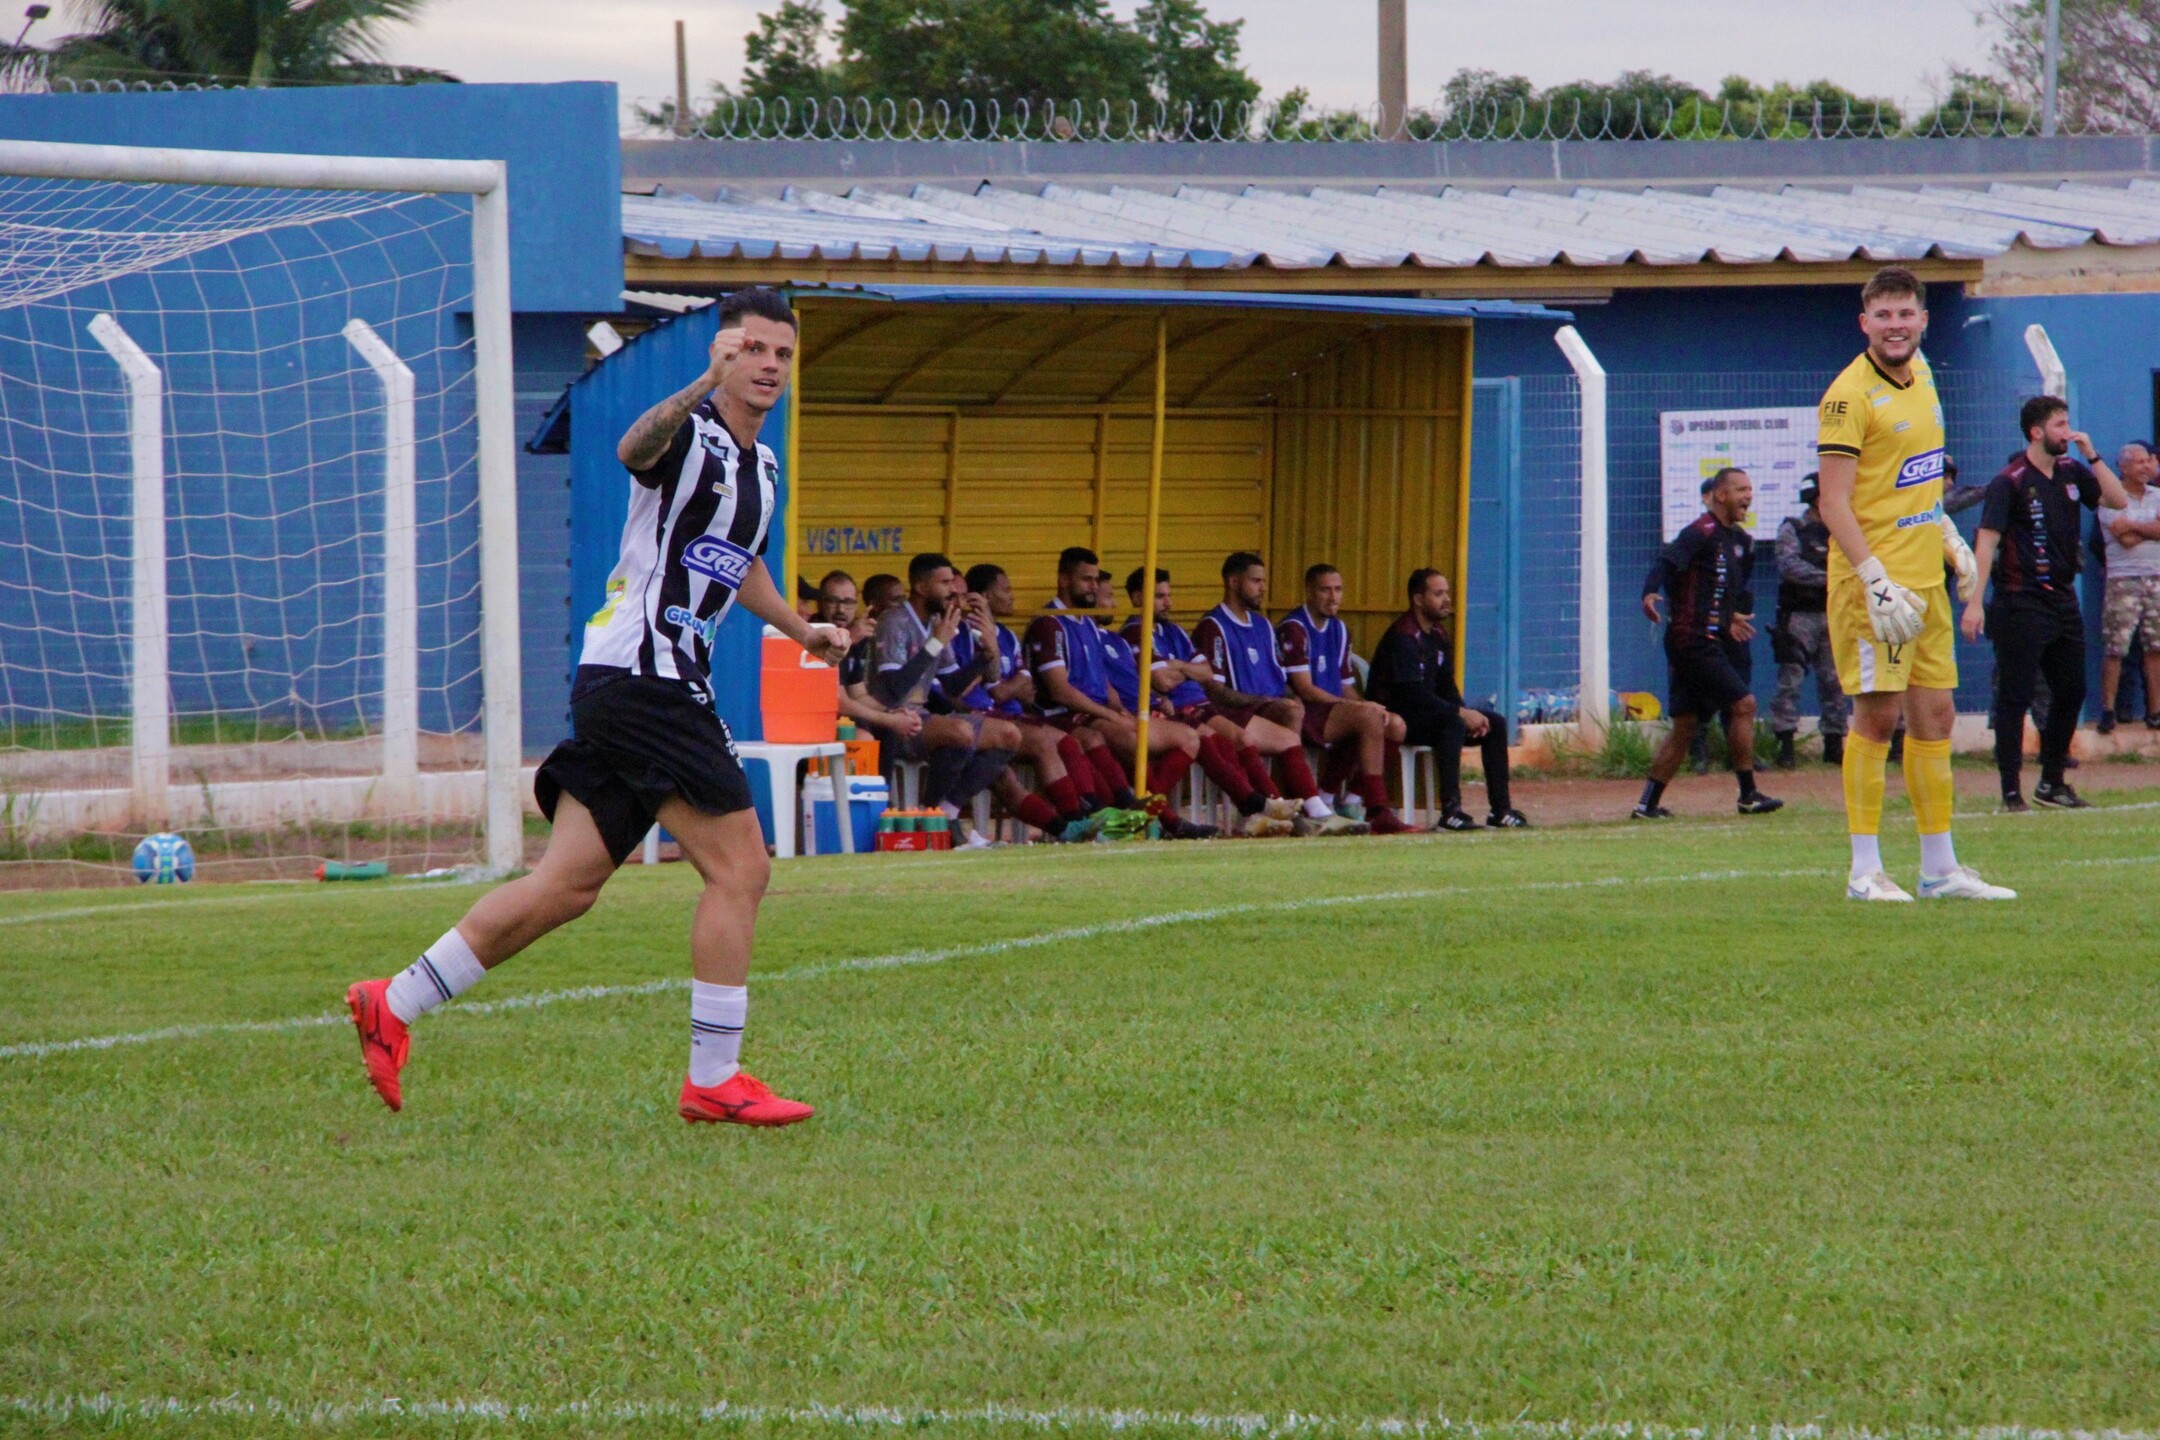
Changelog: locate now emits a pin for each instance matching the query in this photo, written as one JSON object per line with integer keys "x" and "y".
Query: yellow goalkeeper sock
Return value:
{"x": 1928, "y": 782}
{"x": 1866, "y": 765}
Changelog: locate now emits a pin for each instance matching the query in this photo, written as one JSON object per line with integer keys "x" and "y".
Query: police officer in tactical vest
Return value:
{"x": 1801, "y": 640}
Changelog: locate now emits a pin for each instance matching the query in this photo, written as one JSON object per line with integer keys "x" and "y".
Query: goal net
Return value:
{"x": 255, "y": 515}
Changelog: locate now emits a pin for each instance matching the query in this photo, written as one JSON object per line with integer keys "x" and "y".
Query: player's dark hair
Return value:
{"x": 1072, "y": 557}
{"x": 1420, "y": 578}
{"x": 1132, "y": 581}
{"x": 982, "y": 577}
{"x": 1237, "y": 562}
{"x": 804, "y": 590}
{"x": 1314, "y": 572}
{"x": 927, "y": 564}
{"x": 832, "y": 575}
{"x": 881, "y": 589}
{"x": 2037, "y": 411}
{"x": 1724, "y": 472}
{"x": 1893, "y": 280}
{"x": 761, "y": 301}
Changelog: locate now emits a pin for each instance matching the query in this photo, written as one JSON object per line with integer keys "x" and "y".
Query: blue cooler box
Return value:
{"x": 867, "y": 799}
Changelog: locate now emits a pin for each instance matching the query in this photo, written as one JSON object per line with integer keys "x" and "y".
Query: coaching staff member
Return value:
{"x": 1706, "y": 572}
{"x": 2030, "y": 522}
{"x": 645, "y": 742}
{"x": 1414, "y": 675}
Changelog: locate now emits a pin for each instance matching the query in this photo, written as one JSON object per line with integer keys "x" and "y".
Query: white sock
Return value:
{"x": 717, "y": 1013}
{"x": 447, "y": 969}
{"x": 1317, "y": 809}
{"x": 1866, "y": 855}
{"x": 1938, "y": 857}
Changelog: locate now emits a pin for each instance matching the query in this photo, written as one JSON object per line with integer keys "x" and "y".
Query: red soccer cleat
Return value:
{"x": 1387, "y": 822}
{"x": 741, "y": 1099}
{"x": 384, "y": 1039}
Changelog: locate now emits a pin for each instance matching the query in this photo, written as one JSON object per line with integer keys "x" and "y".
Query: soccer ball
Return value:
{"x": 163, "y": 859}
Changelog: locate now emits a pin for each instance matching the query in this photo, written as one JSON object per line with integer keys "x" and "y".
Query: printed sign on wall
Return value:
{"x": 853, "y": 540}
{"x": 1775, "y": 446}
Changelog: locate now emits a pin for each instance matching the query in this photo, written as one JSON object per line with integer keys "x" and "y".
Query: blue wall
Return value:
{"x": 559, "y": 141}
{"x": 260, "y": 319}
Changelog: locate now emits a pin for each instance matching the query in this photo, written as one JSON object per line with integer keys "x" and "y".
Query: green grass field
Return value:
{"x": 1565, "y": 1129}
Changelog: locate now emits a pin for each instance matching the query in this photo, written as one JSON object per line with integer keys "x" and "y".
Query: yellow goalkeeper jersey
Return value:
{"x": 1896, "y": 433}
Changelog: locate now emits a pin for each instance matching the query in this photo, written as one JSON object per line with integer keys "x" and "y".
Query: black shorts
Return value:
{"x": 1701, "y": 681}
{"x": 637, "y": 740}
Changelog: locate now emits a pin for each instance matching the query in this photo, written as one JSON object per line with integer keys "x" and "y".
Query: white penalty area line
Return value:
{"x": 34, "y": 1049}
{"x": 1060, "y": 1419}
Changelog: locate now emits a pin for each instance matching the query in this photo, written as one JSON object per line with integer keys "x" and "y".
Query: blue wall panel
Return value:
{"x": 559, "y": 141}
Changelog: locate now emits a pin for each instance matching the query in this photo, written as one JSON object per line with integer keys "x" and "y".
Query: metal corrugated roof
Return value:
{"x": 1382, "y": 227}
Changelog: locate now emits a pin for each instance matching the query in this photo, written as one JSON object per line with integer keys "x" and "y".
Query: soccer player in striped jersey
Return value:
{"x": 646, "y": 743}
{"x": 1313, "y": 644}
{"x": 1248, "y": 687}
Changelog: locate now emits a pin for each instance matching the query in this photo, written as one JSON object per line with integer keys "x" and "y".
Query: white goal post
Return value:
{"x": 485, "y": 182}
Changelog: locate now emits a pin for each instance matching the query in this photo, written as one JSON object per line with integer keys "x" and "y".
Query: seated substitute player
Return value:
{"x": 1880, "y": 442}
{"x": 963, "y": 751}
{"x": 1235, "y": 767}
{"x": 1313, "y": 645}
{"x": 1706, "y": 572}
{"x": 1070, "y": 657}
{"x": 1247, "y": 686}
{"x": 646, "y": 743}
{"x": 990, "y": 678}
{"x": 1413, "y": 674}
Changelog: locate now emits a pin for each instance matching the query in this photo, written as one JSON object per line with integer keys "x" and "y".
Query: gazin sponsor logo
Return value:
{"x": 1921, "y": 468}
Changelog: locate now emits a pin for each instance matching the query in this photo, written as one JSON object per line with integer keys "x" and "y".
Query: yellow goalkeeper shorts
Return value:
{"x": 1866, "y": 666}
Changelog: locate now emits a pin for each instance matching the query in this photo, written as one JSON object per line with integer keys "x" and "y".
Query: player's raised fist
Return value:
{"x": 726, "y": 346}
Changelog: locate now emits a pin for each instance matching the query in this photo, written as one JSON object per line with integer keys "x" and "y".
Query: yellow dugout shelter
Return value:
{"x": 1002, "y": 424}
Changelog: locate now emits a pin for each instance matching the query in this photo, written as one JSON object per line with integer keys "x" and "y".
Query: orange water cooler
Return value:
{"x": 799, "y": 696}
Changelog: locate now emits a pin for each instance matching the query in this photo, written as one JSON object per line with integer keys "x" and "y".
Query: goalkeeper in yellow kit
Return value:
{"x": 1891, "y": 627}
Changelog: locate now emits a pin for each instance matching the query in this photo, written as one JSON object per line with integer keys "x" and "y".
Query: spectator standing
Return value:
{"x": 2030, "y": 523}
{"x": 2131, "y": 606}
{"x": 1413, "y": 674}
{"x": 1801, "y": 640}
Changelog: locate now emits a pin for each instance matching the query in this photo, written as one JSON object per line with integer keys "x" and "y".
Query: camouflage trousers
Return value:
{"x": 1801, "y": 643}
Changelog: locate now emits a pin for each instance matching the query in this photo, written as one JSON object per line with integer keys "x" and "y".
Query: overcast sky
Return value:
{"x": 1898, "y": 48}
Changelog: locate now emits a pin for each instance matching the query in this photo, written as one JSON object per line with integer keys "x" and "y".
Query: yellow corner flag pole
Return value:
{"x": 1147, "y": 567}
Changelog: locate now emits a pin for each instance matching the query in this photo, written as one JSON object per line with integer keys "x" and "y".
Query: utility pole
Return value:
{"x": 1394, "y": 68}
{"x": 2050, "y": 62}
{"x": 682, "y": 82}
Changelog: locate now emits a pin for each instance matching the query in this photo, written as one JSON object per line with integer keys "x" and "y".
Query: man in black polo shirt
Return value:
{"x": 1706, "y": 572}
{"x": 1414, "y": 676}
{"x": 2030, "y": 519}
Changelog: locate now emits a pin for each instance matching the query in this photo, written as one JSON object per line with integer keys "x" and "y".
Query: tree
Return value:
{"x": 240, "y": 42}
{"x": 1976, "y": 105}
{"x": 1637, "y": 106}
{"x": 1192, "y": 60}
{"x": 2108, "y": 76}
{"x": 1744, "y": 110}
{"x": 1007, "y": 54}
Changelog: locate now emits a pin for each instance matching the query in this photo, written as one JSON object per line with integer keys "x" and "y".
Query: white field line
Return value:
{"x": 1058, "y": 1419}
{"x": 1076, "y": 854}
{"x": 33, "y": 1049}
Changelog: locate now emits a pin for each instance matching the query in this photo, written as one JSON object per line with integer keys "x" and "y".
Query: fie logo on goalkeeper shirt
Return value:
{"x": 1921, "y": 468}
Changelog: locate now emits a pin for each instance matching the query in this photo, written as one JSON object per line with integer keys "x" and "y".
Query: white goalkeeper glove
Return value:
{"x": 1960, "y": 556}
{"x": 1893, "y": 610}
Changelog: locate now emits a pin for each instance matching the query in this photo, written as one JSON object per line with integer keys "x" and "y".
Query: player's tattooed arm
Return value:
{"x": 647, "y": 440}
{"x": 650, "y": 435}
{"x": 1230, "y": 699}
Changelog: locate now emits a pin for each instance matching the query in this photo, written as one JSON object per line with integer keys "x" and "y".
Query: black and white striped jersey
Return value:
{"x": 698, "y": 521}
